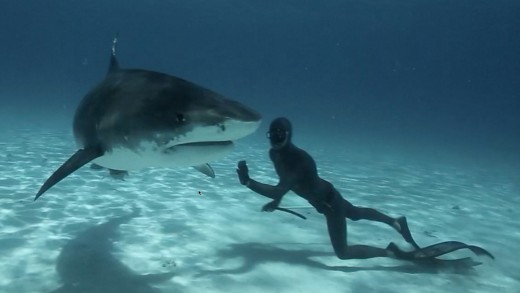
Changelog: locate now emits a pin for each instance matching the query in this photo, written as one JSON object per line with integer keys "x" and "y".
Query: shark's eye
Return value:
{"x": 180, "y": 118}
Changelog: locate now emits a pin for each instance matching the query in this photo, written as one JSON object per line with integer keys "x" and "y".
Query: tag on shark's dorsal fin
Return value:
{"x": 114, "y": 64}
{"x": 206, "y": 170}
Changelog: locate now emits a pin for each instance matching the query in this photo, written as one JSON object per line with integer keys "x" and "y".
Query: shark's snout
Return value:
{"x": 239, "y": 112}
{"x": 242, "y": 120}
{"x": 220, "y": 119}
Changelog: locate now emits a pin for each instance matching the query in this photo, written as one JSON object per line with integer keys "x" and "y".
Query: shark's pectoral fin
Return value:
{"x": 156, "y": 278}
{"x": 80, "y": 158}
{"x": 206, "y": 170}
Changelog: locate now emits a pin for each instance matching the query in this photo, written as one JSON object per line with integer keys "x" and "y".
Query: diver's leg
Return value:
{"x": 337, "y": 227}
{"x": 399, "y": 224}
{"x": 361, "y": 213}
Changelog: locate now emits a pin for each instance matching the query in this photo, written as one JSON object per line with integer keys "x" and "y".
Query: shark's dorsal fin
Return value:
{"x": 206, "y": 170}
{"x": 114, "y": 64}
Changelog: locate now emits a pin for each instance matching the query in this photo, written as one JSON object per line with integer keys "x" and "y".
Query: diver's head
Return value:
{"x": 280, "y": 133}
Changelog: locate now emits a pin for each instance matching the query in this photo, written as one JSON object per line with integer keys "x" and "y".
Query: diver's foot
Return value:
{"x": 402, "y": 227}
{"x": 396, "y": 252}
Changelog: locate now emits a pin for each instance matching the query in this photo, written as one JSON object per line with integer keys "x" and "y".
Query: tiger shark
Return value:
{"x": 136, "y": 118}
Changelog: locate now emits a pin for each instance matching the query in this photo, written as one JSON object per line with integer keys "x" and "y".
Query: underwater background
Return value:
{"x": 410, "y": 107}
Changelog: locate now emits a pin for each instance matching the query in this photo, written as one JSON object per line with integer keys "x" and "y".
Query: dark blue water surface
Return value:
{"x": 432, "y": 73}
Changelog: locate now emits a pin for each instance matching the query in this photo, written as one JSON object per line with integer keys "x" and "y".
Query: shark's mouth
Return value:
{"x": 201, "y": 149}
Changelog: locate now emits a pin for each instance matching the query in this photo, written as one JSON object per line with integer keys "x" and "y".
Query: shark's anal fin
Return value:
{"x": 118, "y": 174}
{"x": 80, "y": 158}
{"x": 206, "y": 170}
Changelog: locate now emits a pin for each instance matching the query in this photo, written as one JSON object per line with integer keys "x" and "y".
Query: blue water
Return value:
{"x": 408, "y": 107}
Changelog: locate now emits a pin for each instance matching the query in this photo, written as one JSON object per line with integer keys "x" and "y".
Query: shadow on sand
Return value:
{"x": 254, "y": 254}
{"x": 86, "y": 264}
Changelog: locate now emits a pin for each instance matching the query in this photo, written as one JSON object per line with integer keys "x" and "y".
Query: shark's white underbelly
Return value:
{"x": 178, "y": 156}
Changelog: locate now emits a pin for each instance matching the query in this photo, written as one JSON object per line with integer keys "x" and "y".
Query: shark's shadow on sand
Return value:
{"x": 254, "y": 254}
{"x": 86, "y": 264}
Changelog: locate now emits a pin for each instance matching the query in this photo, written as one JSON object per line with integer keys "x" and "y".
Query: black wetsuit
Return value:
{"x": 298, "y": 173}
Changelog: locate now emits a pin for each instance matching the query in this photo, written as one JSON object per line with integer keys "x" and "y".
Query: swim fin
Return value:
{"x": 405, "y": 231}
{"x": 436, "y": 250}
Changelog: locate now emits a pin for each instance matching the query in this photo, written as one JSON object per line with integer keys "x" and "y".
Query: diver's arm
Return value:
{"x": 275, "y": 192}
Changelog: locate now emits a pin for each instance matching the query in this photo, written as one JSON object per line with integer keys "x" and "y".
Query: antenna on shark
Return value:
{"x": 114, "y": 64}
{"x": 114, "y": 45}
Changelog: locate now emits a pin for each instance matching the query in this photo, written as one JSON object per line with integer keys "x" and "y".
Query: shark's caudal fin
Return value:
{"x": 80, "y": 158}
